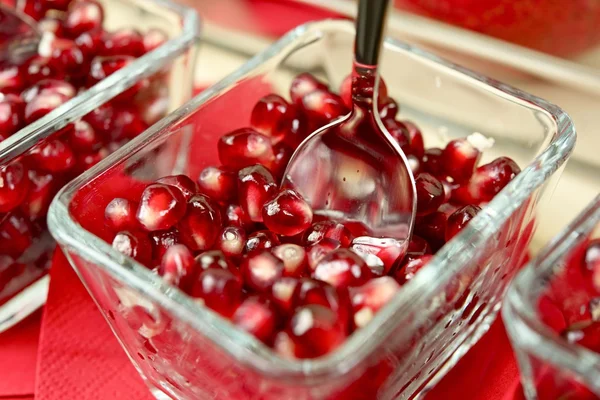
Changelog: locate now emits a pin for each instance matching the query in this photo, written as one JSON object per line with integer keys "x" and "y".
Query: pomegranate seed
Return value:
{"x": 182, "y": 182}
{"x": 119, "y": 215}
{"x": 417, "y": 145}
{"x": 101, "y": 119}
{"x": 232, "y": 241}
{"x": 282, "y": 293}
{"x": 304, "y": 84}
{"x": 459, "y": 219}
{"x": 410, "y": 267}
{"x": 161, "y": 206}
{"x": 418, "y": 246}
{"x": 43, "y": 104}
{"x": 86, "y": 161}
{"x": 103, "y": 67}
{"x": 295, "y": 261}
{"x": 235, "y": 216}
{"x": 287, "y": 214}
{"x": 162, "y": 241}
{"x": 399, "y": 132}
{"x": 261, "y": 271}
{"x": 37, "y": 69}
{"x": 67, "y": 57}
{"x": 430, "y": 194}
{"x": 346, "y": 91}
{"x": 218, "y": 183}
{"x": 587, "y": 336}
{"x": 34, "y": 8}
{"x": 309, "y": 291}
{"x": 432, "y": 228}
{"x": 315, "y": 331}
{"x": 487, "y": 181}
{"x": 14, "y": 185}
{"x": 379, "y": 254}
{"x": 12, "y": 115}
{"x": 432, "y": 161}
{"x": 282, "y": 155}
{"x": 219, "y": 289}
{"x": 256, "y": 316}
{"x": 342, "y": 268}
{"x": 245, "y": 147}
{"x": 389, "y": 109}
{"x": 327, "y": 229}
{"x": 153, "y": 39}
{"x": 90, "y": 43}
{"x": 135, "y": 245}
{"x": 272, "y": 116}
{"x": 260, "y": 241}
{"x": 216, "y": 259}
{"x": 53, "y": 156}
{"x": 84, "y": 138}
{"x": 459, "y": 159}
{"x": 323, "y": 106}
{"x": 256, "y": 186}
{"x": 363, "y": 88}
{"x": 369, "y": 298}
{"x": 83, "y": 16}
{"x": 284, "y": 346}
{"x": 177, "y": 266}
{"x": 12, "y": 79}
{"x": 414, "y": 164}
{"x": 124, "y": 42}
{"x": 297, "y": 130}
{"x": 201, "y": 224}
{"x": 127, "y": 122}
{"x": 591, "y": 263}
{"x": 319, "y": 250}
{"x": 16, "y": 234}
{"x": 43, "y": 189}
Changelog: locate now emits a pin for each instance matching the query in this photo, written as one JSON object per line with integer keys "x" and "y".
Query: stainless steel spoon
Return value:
{"x": 19, "y": 36}
{"x": 352, "y": 170}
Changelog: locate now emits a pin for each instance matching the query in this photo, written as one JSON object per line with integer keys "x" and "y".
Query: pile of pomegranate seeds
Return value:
{"x": 261, "y": 257}
{"x": 76, "y": 53}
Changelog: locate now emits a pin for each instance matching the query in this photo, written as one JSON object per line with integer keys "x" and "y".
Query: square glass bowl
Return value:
{"x": 25, "y": 244}
{"x": 551, "y": 294}
{"x": 188, "y": 352}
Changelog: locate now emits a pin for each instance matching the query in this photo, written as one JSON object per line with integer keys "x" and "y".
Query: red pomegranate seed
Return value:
{"x": 342, "y": 268}
{"x": 43, "y": 104}
{"x": 127, "y": 123}
{"x": 66, "y": 56}
{"x": 256, "y": 186}
{"x": 43, "y": 189}
{"x": 282, "y": 293}
{"x": 37, "y": 69}
{"x": 12, "y": 79}
{"x": 418, "y": 246}
{"x": 119, "y": 215}
{"x": 16, "y": 234}
{"x": 346, "y": 91}
{"x": 327, "y": 229}
{"x": 363, "y": 87}
{"x": 369, "y": 298}
{"x": 135, "y": 245}
{"x": 124, "y": 42}
{"x": 459, "y": 159}
{"x": 105, "y": 66}
{"x": 53, "y": 156}
{"x": 216, "y": 259}
{"x": 319, "y": 250}
{"x": 432, "y": 161}
{"x": 322, "y": 106}
{"x": 83, "y": 137}
{"x": 295, "y": 261}
{"x": 86, "y": 161}
{"x": 83, "y": 16}
{"x": 235, "y": 216}
{"x": 257, "y": 316}
{"x": 417, "y": 145}
{"x": 410, "y": 267}
{"x": 177, "y": 266}
{"x": 379, "y": 254}
{"x": 287, "y": 214}
{"x": 14, "y": 185}
{"x": 487, "y": 181}
{"x": 260, "y": 241}
{"x": 12, "y": 115}
{"x": 154, "y": 38}
{"x": 101, "y": 119}
{"x": 304, "y": 84}
{"x": 591, "y": 263}
{"x": 430, "y": 194}
{"x": 219, "y": 289}
{"x": 389, "y": 109}
{"x": 432, "y": 228}
{"x": 261, "y": 271}
{"x": 282, "y": 154}
{"x": 161, "y": 207}
{"x": 201, "y": 224}
{"x": 587, "y": 336}
{"x": 161, "y": 241}
{"x": 91, "y": 43}
{"x": 232, "y": 241}
{"x": 309, "y": 291}
{"x": 315, "y": 331}
{"x": 34, "y": 8}
{"x": 459, "y": 219}
{"x": 297, "y": 130}
{"x": 245, "y": 147}
{"x": 218, "y": 183}
{"x": 399, "y": 132}
{"x": 182, "y": 182}
{"x": 272, "y": 116}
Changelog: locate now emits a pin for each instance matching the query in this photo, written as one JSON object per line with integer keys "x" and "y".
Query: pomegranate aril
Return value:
{"x": 215, "y": 259}
{"x": 379, "y": 254}
{"x": 245, "y": 147}
{"x": 34, "y": 8}
{"x": 591, "y": 263}
{"x": 346, "y": 91}
{"x": 417, "y": 145}
{"x": 37, "y": 69}
{"x": 127, "y": 123}
{"x": 315, "y": 331}
{"x": 219, "y": 290}
{"x": 459, "y": 159}
{"x": 304, "y": 84}
{"x": 53, "y": 155}
{"x": 287, "y": 214}
{"x": 14, "y": 185}
{"x": 124, "y": 42}
{"x": 430, "y": 194}
{"x": 85, "y": 161}
{"x": 309, "y": 291}
{"x": 105, "y": 66}
{"x": 16, "y": 234}
{"x": 66, "y": 56}
{"x": 43, "y": 188}
{"x": 487, "y": 181}
{"x": 232, "y": 241}
{"x": 90, "y": 43}
{"x": 12, "y": 115}
{"x": 432, "y": 161}
{"x": 43, "y": 104}
{"x": 388, "y": 110}
{"x": 201, "y": 224}
{"x": 182, "y": 182}
{"x": 135, "y": 245}
{"x": 119, "y": 215}
{"x": 260, "y": 241}
{"x": 161, "y": 241}
{"x": 323, "y": 106}
{"x": 261, "y": 270}
{"x": 327, "y": 229}
{"x": 369, "y": 298}
{"x": 282, "y": 155}
{"x": 363, "y": 86}
{"x": 83, "y": 137}
{"x": 297, "y": 130}
{"x": 256, "y": 316}
{"x": 101, "y": 119}
{"x": 587, "y": 336}
{"x": 410, "y": 267}
{"x": 256, "y": 186}
{"x": 153, "y": 39}
{"x": 284, "y": 346}
{"x": 432, "y": 228}
{"x": 272, "y": 116}
{"x": 418, "y": 246}
{"x": 319, "y": 250}
{"x": 459, "y": 219}
{"x": 399, "y": 133}
{"x": 235, "y": 216}
{"x": 177, "y": 266}
{"x": 161, "y": 207}
{"x": 295, "y": 261}
{"x": 218, "y": 183}
{"x": 83, "y": 16}
{"x": 342, "y": 268}
{"x": 282, "y": 294}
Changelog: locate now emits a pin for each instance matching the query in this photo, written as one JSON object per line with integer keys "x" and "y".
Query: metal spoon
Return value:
{"x": 19, "y": 36}
{"x": 352, "y": 170}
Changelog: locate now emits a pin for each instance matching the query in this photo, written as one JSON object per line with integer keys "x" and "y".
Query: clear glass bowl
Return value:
{"x": 550, "y": 366}
{"x": 23, "y": 285}
{"x": 187, "y": 351}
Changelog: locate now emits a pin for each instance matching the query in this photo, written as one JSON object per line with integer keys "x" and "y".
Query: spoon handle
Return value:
{"x": 370, "y": 23}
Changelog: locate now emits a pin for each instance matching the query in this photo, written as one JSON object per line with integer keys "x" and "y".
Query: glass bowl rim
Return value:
{"x": 242, "y": 346}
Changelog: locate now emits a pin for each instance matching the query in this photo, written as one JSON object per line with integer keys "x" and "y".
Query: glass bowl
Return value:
{"x": 188, "y": 352}
{"x": 168, "y": 68}
{"x": 536, "y": 311}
